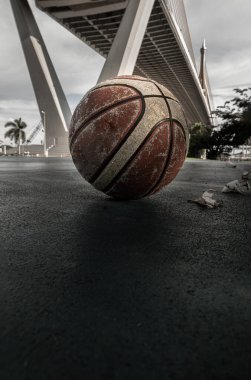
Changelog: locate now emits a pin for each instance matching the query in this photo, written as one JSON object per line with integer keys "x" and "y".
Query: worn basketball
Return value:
{"x": 128, "y": 137}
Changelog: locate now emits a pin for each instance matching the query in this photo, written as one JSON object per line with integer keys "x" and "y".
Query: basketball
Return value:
{"x": 128, "y": 137}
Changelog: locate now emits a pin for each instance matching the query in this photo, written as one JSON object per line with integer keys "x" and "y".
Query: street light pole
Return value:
{"x": 19, "y": 142}
{"x": 44, "y": 124}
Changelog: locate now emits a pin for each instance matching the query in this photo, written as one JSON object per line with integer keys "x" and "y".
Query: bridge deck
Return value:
{"x": 163, "y": 56}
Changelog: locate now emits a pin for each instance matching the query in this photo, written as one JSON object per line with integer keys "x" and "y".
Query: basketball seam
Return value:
{"x": 109, "y": 108}
{"x": 134, "y": 77}
{"x": 143, "y": 80}
{"x": 134, "y": 88}
{"x": 158, "y": 182}
{"x": 176, "y": 101}
{"x": 119, "y": 145}
{"x": 168, "y": 158}
{"x": 100, "y": 113}
{"x": 181, "y": 127}
{"x": 164, "y": 96}
{"x": 158, "y": 96}
{"x": 178, "y": 122}
{"x": 162, "y": 177}
{"x": 125, "y": 167}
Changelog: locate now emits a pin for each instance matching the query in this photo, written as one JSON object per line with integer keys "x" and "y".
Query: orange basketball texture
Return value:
{"x": 128, "y": 137}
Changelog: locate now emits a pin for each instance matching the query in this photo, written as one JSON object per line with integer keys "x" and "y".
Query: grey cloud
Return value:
{"x": 76, "y": 64}
{"x": 226, "y": 27}
{"x": 224, "y": 24}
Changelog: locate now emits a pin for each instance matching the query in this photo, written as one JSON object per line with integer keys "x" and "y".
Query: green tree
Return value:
{"x": 233, "y": 131}
{"x": 199, "y": 139}
{"x": 16, "y": 132}
{"x": 235, "y": 115}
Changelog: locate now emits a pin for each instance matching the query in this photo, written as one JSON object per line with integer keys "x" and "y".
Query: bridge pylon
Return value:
{"x": 49, "y": 94}
{"x": 203, "y": 77}
{"x": 125, "y": 48}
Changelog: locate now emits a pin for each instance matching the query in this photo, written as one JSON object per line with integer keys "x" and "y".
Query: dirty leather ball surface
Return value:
{"x": 128, "y": 137}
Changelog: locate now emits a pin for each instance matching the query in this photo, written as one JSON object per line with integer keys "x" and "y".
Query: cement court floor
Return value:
{"x": 92, "y": 288}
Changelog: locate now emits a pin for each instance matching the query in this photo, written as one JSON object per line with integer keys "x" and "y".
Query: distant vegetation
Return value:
{"x": 233, "y": 131}
{"x": 16, "y": 131}
{"x": 200, "y": 136}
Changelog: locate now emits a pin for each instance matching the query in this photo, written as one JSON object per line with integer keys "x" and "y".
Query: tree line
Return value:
{"x": 234, "y": 129}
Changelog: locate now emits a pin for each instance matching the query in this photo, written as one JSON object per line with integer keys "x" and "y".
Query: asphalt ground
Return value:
{"x": 92, "y": 288}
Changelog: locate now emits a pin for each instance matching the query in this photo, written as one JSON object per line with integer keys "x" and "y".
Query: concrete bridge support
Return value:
{"x": 124, "y": 52}
{"x": 50, "y": 97}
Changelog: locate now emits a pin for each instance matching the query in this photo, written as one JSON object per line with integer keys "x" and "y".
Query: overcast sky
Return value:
{"x": 224, "y": 24}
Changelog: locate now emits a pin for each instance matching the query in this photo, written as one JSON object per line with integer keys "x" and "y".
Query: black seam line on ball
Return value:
{"x": 124, "y": 168}
{"x": 166, "y": 163}
{"x": 159, "y": 96}
{"x": 111, "y": 155}
{"x": 93, "y": 117}
{"x": 169, "y": 155}
{"x": 181, "y": 127}
{"x": 109, "y": 108}
{"x": 145, "y": 96}
{"x": 117, "y": 85}
{"x": 139, "y": 92}
{"x": 176, "y": 101}
{"x": 186, "y": 123}
{"x": 136, "y": 90}
{"x": 140, "y": 95}
{"x": 168, "y": 158}
{"x": 186, "y": 133}
{"x": 100, "y": 113}
{"x": 163, "y": 95}
{"x": 136, "y": 77}
{"x": 165, "y": 99}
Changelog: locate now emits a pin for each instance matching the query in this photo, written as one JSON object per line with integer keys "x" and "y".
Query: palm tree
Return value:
{"x": 16, "y": 132}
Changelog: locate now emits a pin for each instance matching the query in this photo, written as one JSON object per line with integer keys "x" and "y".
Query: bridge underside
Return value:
{"x": 163, "y": 55}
